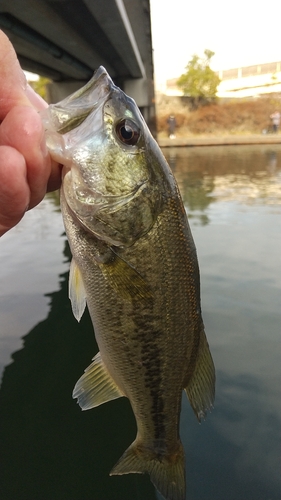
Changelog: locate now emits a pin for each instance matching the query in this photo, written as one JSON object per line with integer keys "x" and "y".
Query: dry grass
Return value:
{"x": 223, "y": 118}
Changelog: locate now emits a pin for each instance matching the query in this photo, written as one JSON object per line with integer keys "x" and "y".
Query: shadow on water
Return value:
{"x": 50, "y": 449}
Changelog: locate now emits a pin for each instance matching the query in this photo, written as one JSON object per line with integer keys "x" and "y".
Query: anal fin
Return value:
{"x": 200, "y": 385}
{"x": 96, "y": 386}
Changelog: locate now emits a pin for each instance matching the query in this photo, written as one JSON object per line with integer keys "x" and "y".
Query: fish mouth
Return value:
{"x": 69, "y": 113}
{"x": 59, "y": 120}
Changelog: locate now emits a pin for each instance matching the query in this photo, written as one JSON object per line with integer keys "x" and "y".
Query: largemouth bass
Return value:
{"x": 135, "y": 265}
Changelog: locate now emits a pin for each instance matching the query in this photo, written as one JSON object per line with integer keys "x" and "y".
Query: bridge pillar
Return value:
{"x": 142, "y": 91}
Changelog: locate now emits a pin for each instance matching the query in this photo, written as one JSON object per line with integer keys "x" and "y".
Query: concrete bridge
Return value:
{"x": 66, "y": 40}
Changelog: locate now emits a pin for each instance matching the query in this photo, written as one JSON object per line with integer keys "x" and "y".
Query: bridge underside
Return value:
{"x": 66, "y": 40}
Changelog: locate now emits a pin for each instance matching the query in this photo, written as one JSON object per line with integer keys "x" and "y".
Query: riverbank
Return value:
{"x": 192, "y": 141}
{"x": 233, "y": 122}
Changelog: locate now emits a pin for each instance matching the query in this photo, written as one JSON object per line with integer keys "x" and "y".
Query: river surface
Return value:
{"x": 49, "y": 448}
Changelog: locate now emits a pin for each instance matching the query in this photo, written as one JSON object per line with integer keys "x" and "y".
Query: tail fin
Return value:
{"x": 167, "y": 473}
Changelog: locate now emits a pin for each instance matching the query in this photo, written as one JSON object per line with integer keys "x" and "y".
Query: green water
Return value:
{"x": 49, "y": 448}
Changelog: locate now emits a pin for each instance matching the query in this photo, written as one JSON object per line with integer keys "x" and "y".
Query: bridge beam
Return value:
{"x": 67, "y": 41}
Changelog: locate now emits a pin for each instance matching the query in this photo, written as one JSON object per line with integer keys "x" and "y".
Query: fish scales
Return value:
{"x": 140, "y": 328}
{"x": 135, "y": 263}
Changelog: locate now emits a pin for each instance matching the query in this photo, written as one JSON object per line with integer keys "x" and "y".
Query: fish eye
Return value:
{"x": 128, "y": 132}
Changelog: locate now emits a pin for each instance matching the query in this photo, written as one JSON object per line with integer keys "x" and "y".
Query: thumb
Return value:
{"x": 14, "y": 89}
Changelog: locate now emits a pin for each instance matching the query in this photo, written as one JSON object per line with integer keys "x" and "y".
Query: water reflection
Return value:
{"x": 248, "y": 174}
{"x": 49, "y": 449}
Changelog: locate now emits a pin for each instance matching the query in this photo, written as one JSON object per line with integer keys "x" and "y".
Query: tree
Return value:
{"x": 40, "y": 86}
{"x": 200, "y": 82}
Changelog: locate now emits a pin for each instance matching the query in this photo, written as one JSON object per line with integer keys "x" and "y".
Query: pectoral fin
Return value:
{"x": 77, "y": 292}
{"x": 96, "y": 386}
{"x": 125, "y": 279}
{"x": 200, "y": 385}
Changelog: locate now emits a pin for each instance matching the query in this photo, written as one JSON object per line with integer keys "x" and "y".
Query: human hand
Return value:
{"x": 26, "y": 169}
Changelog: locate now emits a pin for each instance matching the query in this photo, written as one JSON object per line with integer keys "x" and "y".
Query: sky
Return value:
{"x": 241, "y": 33}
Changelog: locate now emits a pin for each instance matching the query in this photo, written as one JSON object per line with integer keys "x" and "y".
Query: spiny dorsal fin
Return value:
{"x": 77, "y": 293}
{"x": 96, "y": 386}
{"x": 200, "y": 388}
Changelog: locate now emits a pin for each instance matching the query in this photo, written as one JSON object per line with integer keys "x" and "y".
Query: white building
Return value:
{"x": 247, "y": 81}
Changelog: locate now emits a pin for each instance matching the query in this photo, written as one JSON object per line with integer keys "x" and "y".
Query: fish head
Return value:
{"x": 110, "y": 177}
